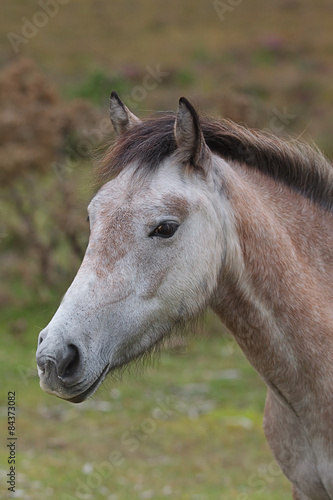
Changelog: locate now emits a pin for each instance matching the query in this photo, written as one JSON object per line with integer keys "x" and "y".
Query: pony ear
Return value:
{"x": 121, "y": 117}
{"x": 191, "y": 145}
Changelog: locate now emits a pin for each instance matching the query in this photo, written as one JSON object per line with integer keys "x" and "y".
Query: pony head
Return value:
{"x": 156, "y": 249}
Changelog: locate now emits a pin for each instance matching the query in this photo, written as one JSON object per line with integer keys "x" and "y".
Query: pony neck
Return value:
{"x": 275, "y": 297}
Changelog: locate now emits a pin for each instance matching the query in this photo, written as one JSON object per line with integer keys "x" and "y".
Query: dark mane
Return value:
{"x": 296, "y": 164}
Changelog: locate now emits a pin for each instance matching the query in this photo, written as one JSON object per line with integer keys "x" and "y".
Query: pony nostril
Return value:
{"x": 41, "y": 337}
{"x": 41, "y": 363}
{"x": 70, "y": 362}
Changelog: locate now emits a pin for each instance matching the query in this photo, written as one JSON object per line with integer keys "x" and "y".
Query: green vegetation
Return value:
{"x": 96, "y": 86}
{"x": 191, "y": 428}
{"x": 275, "y": 48}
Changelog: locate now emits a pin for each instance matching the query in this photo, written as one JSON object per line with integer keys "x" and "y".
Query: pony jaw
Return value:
{"x": 63, "y": 393}
{"x": 79, "y": 398}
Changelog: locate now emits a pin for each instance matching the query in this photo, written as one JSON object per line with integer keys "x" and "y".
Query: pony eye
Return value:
{"x": 165, "y": 230}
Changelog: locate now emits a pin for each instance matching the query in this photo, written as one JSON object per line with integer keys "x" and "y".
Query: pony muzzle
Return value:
{"x": 62, "y": 373}
{"x": 59, "y": 370}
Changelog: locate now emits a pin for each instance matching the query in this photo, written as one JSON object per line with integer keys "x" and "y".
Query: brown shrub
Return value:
{"x": 42, "y": 170}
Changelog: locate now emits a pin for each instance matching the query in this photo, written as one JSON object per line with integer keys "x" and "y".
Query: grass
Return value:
{"x": 260, "y": 52}
{"x": 97, "y": 85}
{"x": 190, "y": 428}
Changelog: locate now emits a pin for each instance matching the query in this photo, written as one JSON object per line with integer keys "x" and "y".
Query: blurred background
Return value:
{"x": 191, "y": 427}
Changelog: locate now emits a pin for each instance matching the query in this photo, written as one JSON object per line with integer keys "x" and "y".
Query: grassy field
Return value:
{"x": 245, "y": 62}
{"x": 191, "y": 428}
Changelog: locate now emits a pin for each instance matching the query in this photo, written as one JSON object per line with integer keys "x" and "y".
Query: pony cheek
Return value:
{"x": 152, "y": 283}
